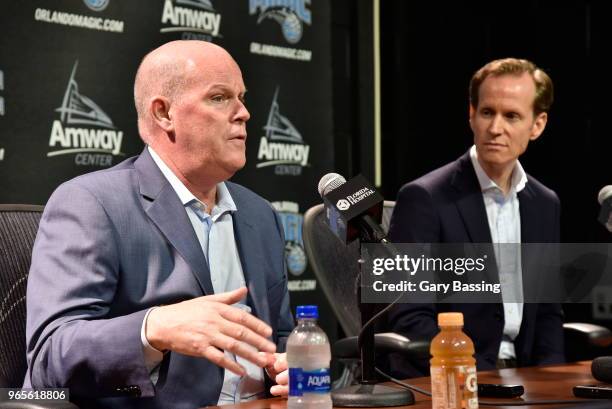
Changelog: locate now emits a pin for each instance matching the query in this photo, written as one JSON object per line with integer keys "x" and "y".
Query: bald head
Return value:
{"x": 167, "y": 70}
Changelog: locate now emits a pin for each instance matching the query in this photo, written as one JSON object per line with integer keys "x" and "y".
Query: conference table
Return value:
{"x": 541, "y": 383}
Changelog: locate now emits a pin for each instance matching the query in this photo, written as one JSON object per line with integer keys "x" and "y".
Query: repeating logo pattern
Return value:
{"x": 96, "y": 5}
{"x": 95, "y": 141}
{"x": 282, "y": 146}
{"x": 196, "y": 19}
{"x": 294, "y": 245}
{"x": 291, "y": 15}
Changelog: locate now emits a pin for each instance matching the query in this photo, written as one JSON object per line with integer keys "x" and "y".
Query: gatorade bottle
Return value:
{"x": 453, "y": 367}
{"x": 308, "y": 357}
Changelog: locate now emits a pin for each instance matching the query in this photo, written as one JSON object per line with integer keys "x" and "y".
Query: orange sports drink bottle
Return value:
{"x": 452, "y": 366}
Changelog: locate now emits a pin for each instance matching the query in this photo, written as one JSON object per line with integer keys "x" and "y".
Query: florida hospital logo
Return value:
{"x": 290, "y": 14}
{"x": 196, "y": 19}
{"x": 94, "y": 140}
{"x": 343, "y": 204}
{"x": 282, "y": 146}
{"x": 96, "y": 5}
{"x": 294, "y": 245}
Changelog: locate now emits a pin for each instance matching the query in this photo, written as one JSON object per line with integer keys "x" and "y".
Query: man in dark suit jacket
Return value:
{"x": 140, "y": 287}
{"x": 464, "y": 202}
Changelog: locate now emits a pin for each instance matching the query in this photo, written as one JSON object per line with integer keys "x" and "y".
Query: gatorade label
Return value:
{"x": 454, "y": 387}
{"x": 313, "y": 381}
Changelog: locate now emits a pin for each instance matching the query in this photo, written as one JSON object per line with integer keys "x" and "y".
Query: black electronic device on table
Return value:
{"x": 489, "y": 390}
{"x": 593, "y": 391}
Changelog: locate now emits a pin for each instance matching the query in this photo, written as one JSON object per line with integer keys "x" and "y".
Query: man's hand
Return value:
{"x": 279, "y": 373}
{"x": 208, "y": 325}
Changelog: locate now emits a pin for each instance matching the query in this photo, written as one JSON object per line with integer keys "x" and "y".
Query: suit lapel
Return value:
{"x": 251, "y": 258}
{"x": 168, "y": 213}
{"x": 469, "y": 201}
{"x": 529, "y": 215}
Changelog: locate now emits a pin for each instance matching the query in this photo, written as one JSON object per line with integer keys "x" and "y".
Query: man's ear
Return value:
{"x": 160, "y": 112}
{"x": 538, "y": 126}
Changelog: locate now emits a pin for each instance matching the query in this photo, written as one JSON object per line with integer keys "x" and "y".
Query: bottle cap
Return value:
{"x": 450, "y": 319}
{"x": 307, "y": 311}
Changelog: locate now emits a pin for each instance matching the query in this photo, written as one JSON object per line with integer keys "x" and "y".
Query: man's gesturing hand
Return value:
{"x": 206, "y": 326}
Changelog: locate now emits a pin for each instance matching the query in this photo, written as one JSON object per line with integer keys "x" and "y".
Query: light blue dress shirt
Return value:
{"x": 503, "y": 214}
{"x": 215, "y": 232}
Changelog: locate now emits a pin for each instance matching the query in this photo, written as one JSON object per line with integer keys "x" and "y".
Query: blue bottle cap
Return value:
{"x": 307, "y": 311}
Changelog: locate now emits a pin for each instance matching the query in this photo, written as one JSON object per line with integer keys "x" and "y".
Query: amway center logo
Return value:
{"x": 96, "y": 5}
{"x": 93, "y": 145}
{"x": 290, "y": 14}
{"x": 294, "y": 245}
{"x": 197, "y": 19}
{"x": 283, "y": 146}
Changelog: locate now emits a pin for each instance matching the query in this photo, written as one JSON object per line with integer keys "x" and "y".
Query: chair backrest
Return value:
{"x": 336, "y": 265}
{"x": 18, "y": 227}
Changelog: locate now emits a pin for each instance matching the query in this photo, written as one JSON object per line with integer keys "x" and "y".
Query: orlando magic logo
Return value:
{"x": 96, "y": 5}
{"x": 290, "y": 14}
{"x": 282, "y": 146}
{"x": 292, "y": 222}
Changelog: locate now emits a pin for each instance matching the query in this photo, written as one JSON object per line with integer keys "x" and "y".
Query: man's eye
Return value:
{"x": 486, "y": 112}
{"x": 218, "y": 98}
{"x": 513, "y": 116}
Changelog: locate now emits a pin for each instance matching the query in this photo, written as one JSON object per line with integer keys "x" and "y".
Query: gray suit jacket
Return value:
{"x": 112, "y": 244}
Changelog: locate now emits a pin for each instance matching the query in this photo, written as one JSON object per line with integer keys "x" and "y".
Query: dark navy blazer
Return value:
{"x": 446, "y": 206}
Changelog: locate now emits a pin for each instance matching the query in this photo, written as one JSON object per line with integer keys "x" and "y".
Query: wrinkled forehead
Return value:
{"x": 214, "y": 69}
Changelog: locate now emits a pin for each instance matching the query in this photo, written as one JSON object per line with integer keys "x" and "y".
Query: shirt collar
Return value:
{"x": 517, "y": 182}
{"x": 224, "y": 198}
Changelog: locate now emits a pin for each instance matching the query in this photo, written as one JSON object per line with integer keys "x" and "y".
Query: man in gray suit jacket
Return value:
{"x": 155, "y": 283}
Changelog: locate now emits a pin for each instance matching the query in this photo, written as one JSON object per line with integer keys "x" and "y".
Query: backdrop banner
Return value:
{"x": 66, "y": 105}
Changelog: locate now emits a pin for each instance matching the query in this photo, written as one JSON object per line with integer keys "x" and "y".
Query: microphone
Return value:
{"x": 353, "y": 209}
{"x": 601, "y": 368}
{"x": 605, "y": 200}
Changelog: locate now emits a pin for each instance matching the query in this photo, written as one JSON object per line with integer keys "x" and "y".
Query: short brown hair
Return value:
{"x": 514, "y": 66}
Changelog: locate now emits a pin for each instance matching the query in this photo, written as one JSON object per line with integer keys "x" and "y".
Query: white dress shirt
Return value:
{"x": 215, "y": 233}
{"x": 504, "y": 218}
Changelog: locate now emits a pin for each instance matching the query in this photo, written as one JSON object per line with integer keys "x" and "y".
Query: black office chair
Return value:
{"x": 336, "y": 267}
{"x": 18, "y": 227}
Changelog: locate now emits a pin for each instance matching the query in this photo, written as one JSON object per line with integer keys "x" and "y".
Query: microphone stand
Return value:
{"x": 369, "y": 393}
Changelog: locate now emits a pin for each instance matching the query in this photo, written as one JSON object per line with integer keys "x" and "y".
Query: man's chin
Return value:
{"x": 234, "y": 167}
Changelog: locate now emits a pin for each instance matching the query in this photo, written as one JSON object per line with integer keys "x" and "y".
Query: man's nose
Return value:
{"x": 496, "y": 125}
{"x": 243, "y": 113}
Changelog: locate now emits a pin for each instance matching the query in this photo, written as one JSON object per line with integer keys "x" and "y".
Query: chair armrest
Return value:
{"x": 589, "y": 334}
{"x": 387, "y": 342}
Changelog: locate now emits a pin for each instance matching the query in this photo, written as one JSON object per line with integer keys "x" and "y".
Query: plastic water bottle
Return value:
{"x": 453, "y": 367}
{"x": 308, "y": 357}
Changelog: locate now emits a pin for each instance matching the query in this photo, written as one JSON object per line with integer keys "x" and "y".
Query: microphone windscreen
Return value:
{"x": 601, "y": 368}
{"x": 604, "y": 194}
{"x": 330, "y": 182}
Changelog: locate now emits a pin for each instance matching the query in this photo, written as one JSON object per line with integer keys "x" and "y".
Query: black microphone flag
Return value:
{"x": 347, "y": 204}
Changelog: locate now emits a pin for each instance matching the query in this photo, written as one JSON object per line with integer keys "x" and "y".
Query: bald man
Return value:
{"x": 157, "y": 283}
